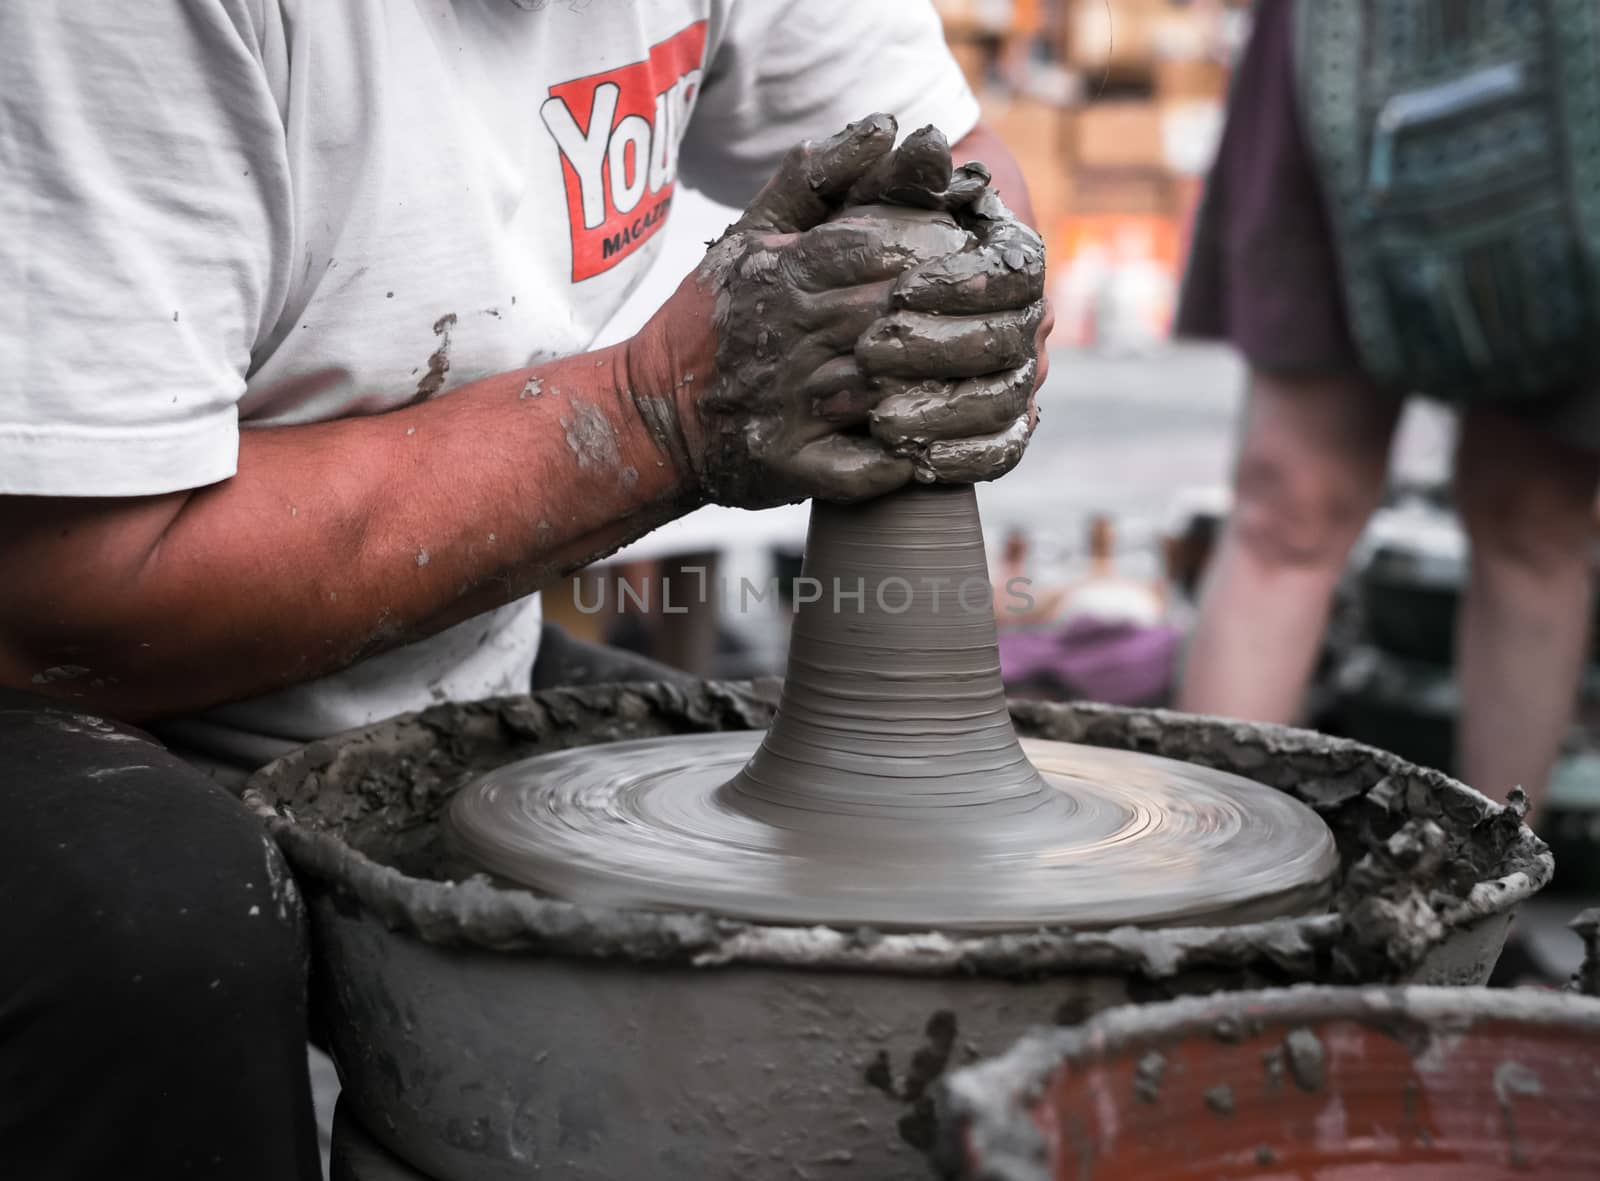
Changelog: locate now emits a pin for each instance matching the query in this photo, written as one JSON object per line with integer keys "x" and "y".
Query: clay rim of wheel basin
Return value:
{"x": 992, "y": 1113}
{"x": 356, "y": 816}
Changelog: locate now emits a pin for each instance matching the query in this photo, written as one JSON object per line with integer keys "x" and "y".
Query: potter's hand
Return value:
{"x": 768, "y": 403}
{"x": 958, "y": 360}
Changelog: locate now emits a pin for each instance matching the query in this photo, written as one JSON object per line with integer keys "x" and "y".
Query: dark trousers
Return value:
{"x": 153, "y": 955}
{"x": 152, "y": 966}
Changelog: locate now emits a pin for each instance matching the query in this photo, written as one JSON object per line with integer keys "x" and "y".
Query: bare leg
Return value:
{"x": 1311, "y": 467}
{"x": 1527, "y": 501}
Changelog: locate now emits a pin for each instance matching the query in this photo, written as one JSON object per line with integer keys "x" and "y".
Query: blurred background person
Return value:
{"x": 1482, "y": 298}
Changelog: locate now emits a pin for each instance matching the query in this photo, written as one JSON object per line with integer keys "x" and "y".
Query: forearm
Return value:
{"x": 334, "y": 541}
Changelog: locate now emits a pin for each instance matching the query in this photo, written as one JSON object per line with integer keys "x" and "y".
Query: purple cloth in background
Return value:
{"x": 1115, "y": 663}
{"x": 1263, "y": 272}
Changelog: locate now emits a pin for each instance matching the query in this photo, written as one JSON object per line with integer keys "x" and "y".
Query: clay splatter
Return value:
{"x": 1220, "y": 1099}
{"x": 439, "y": 363}
{"x": 930, "y": 1060}
{"x": 1147, "y": 1076}
{"x": 103, "y": 772}
{"x": 660, "y": 418}
{"x": 1513, "y": 1081}
{"x": 1307, "y": 1059}
{"x": 1411, "y": 1098}
{"x": 1229, "y": 1030}
{"x": 59, "y": 672}
{"x": 591, "y": 438}
{"x": 1272, "y": 1063}
{"x": 533, "y": 388}
{"x": 879, "y": 1075}
{"x": 423, "y": 557}
{"x": 1587, "y": 928}
{"x": 285, "y": 894}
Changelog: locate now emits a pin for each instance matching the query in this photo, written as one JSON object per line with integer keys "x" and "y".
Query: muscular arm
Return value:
{"x": 334, "y": 540}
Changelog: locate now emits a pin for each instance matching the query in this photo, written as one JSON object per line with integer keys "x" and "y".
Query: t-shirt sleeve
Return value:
{"x": 787, "y": 70}
{"x": 143, "y": 183}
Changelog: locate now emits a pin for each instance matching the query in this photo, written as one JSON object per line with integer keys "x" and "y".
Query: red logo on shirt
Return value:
{"x": 618, "y": 133}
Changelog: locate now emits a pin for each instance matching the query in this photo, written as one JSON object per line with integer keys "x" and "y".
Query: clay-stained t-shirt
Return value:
{"x": 227, "y": 214}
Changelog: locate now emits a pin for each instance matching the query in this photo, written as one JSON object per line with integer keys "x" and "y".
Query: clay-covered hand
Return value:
{"x": 776, "y": 309}
{"x": 781, "y": 387}
{"x": 957, "y": 362}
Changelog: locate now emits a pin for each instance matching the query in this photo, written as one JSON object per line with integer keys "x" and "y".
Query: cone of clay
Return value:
{"x": 892, "y": 702}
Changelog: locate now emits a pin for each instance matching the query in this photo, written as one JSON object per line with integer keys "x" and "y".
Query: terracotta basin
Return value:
{"x": 1308, "y": 1084}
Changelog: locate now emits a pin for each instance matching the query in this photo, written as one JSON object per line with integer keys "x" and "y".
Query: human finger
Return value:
{"x": 929, "y": 411}
{"x": 856, "y": 249}
{"x": 974, "y": 460}
{"x": 1003, "y": 268}
{"x": 839, "y": 393}
{"x": 815, "y": 174}
{"x": 828, "y": 327}
{"x": 837, "y": 317}
{"x": 925, "y": 344}
{"x": 848, "y": 468}
{"x": 1041, "y": 338}
{"x": 916, "y": 173}
{"x": 967, "y": 183}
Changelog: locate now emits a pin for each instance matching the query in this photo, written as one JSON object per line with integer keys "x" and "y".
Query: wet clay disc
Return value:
{"x": 1110, "y": 838}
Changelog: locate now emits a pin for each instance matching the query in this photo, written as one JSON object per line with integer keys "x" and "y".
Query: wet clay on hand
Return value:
{"x": 957, "y": 359}
{"x": 875, "y": 312}
{"x": 788, "y": 416}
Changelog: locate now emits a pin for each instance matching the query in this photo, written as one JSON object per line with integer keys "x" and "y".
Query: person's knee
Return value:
{"x": 153, "y": 989}
{"x": 1537, "y": 519}
{"x": 1310, "y": 469}
{"x": 1296, "y": 514}
{"x": 175, "y": 944}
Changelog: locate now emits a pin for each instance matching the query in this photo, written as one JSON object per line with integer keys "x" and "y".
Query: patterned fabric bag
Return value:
{"x": 1458, "y": 146}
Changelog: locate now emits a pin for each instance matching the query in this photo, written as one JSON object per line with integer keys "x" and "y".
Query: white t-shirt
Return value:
{"x": 224, "y": 214}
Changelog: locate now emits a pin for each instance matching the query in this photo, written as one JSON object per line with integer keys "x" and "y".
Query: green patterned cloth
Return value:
{"x": 1458, "y": 145}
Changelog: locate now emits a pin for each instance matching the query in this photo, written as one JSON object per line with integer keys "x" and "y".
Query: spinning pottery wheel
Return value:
{"x": 892, "y": 790}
